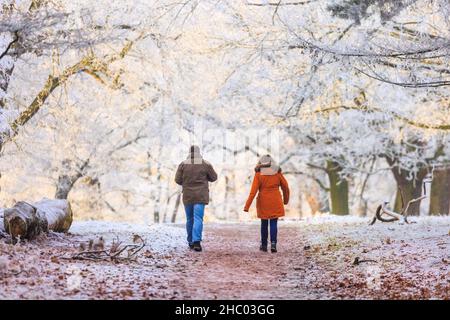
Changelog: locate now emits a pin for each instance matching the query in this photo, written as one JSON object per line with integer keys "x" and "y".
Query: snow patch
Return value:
{"x": 161, "y": 238}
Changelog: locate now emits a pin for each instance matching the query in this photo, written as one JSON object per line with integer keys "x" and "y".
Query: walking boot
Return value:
{"x": 197, "y": 246}
{"x": 273, "y": 247}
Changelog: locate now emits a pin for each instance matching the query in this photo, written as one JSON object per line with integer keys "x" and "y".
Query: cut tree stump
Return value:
{"x": 27, "y": 221}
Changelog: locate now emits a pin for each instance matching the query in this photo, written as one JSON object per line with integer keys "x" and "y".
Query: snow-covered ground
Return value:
{"x": 316, "y": 260}
{"x": 399, "y": 260}
{"x": 160, "y": 238}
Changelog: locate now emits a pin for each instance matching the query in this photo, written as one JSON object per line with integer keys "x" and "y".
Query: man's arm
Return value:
{"x": 179, "y": 175}
{"x": 212, "y": 175}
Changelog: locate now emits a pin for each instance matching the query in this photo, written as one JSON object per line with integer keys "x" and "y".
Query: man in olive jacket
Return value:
{"x": 194, "y": 174}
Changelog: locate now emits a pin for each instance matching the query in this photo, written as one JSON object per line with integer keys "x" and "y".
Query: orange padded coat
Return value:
{"x": 269, "y": 204}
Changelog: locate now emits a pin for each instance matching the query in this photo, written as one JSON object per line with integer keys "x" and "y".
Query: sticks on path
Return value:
{"x": 118, "y": 252}
{"x": 358, "y": 261}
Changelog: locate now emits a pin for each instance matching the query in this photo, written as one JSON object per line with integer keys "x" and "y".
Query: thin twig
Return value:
{"x": 358, "y": 261}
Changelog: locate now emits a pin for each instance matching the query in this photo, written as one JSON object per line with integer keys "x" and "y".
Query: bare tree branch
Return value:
{"x": 397, "y": 116}
{"x": 10, "y": 45}
{"x": 89, "y": 64}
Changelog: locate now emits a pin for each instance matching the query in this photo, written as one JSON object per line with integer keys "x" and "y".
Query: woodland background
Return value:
{"x": 99, "y": 102}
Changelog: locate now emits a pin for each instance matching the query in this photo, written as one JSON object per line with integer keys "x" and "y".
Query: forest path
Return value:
{"x": 232, "y": 267}
{"x": 315, "y": 260}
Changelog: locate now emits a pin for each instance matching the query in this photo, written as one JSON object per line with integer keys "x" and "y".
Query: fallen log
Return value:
{"x": 27, "y": 221}
{"x": 378, "y": 215}
{"x": 403, "y": 215}
{"x": 57, "y": 212}
{"x": 394, "y": 215}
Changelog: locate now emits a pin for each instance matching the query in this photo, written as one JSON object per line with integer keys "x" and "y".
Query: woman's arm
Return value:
{"x": 284, "y": 188}
{"x": 253, "y": 191}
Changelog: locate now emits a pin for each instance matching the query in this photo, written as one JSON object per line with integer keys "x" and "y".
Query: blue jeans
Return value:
{"x": 273, "y": 230}
{"x": 194, "y": 221}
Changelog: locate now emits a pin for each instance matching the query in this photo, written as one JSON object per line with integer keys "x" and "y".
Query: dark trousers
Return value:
{"x": 273, "y": 230}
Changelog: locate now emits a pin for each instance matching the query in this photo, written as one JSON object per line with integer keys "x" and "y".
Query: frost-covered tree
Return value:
{"x": 302, "y": 69}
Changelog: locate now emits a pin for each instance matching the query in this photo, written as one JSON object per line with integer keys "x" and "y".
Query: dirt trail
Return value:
{"x": 232, "y": 267}
{"x": 315, "y": 261}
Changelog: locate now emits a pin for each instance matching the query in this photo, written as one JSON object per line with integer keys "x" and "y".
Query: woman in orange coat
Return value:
{"x": 269, "y": 205}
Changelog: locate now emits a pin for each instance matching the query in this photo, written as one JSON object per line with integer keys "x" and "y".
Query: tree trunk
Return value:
{"x": 27, "y": 221}
{"x": 234, "y": 195}
{"x": 324, "y": 201}
{"x": 411, "y": 189}
{"x": 65, "y": 185}
{"x": 67, "y": 181}
{"x": 312, "y": 198}
{"x": 362, "y": 207}
{"x": 157, "y": 207}
{"x": 176, "y": 207}
{"x": 166, "y": 202}
{"x": 299, "y": 206}
{"x": 440, "y": 193}
{"x": 338, "y": 189}
{"x": 226, "y": 201}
